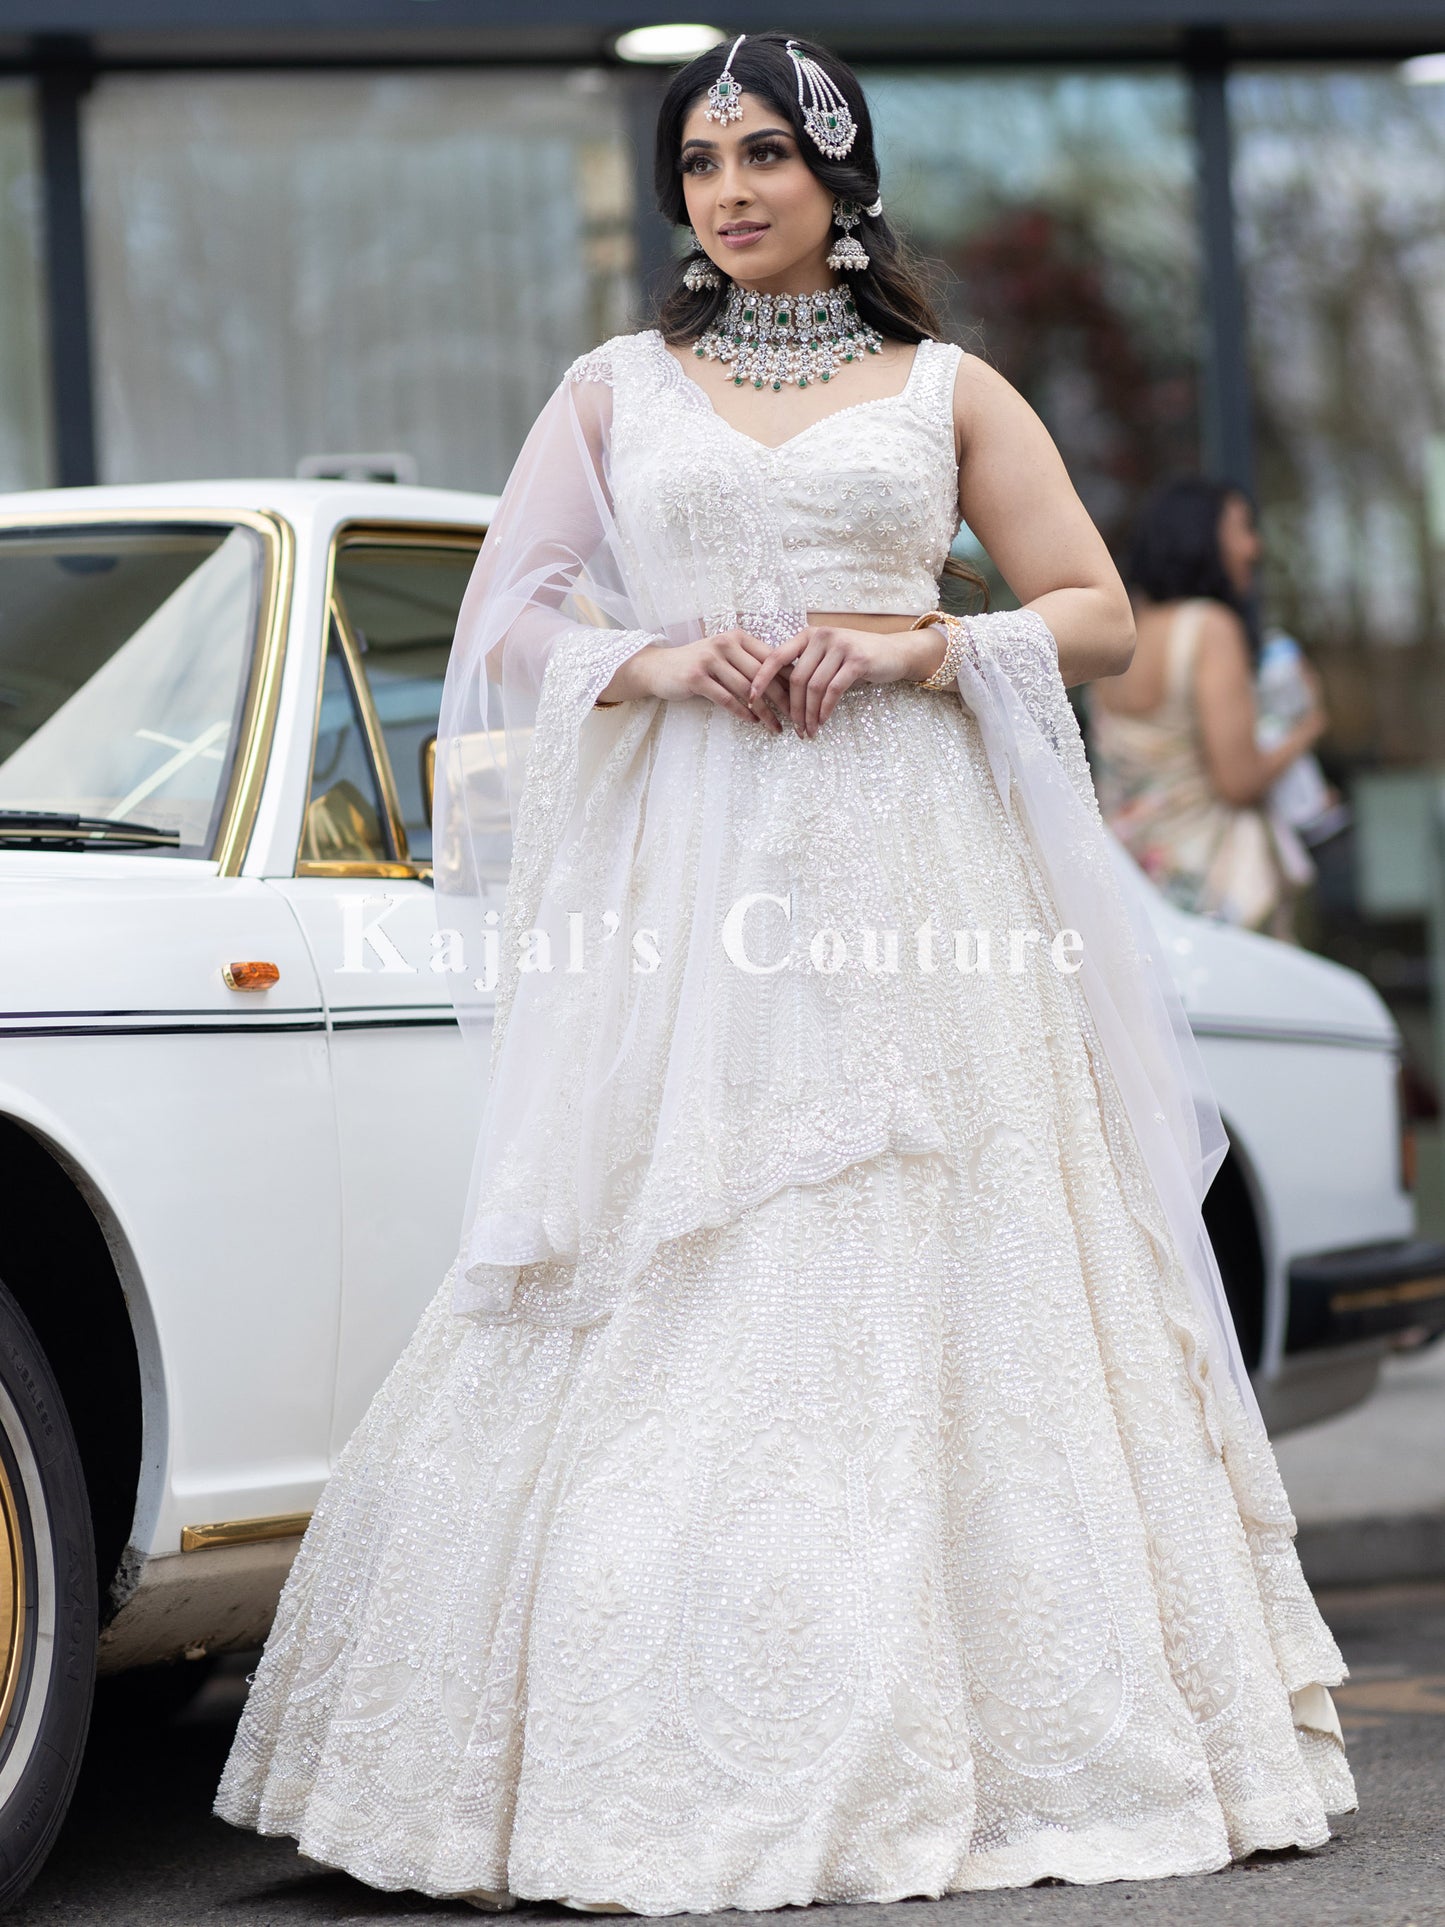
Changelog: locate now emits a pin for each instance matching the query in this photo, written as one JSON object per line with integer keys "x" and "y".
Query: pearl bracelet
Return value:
{"x": 956, "y": 634}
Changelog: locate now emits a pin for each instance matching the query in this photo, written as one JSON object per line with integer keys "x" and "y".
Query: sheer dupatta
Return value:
{"x": 546, "y": 619}
{"x": 1010, "y": 680}
{"x": 567, "y": 1178}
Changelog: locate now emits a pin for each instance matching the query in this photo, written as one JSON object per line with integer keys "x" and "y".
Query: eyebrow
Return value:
{"x": 758, "y": 134}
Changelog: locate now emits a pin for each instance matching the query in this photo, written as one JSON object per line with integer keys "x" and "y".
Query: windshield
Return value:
{"x": 124, "y": 659}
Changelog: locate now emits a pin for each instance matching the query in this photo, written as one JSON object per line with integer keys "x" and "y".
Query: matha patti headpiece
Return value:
{"x": 724, "y": 97}
{"x": 826, "y": 114}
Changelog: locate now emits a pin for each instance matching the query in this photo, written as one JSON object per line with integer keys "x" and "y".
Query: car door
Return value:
{"x": 162, "y": 1015}
{"x": 407, "y": 1101}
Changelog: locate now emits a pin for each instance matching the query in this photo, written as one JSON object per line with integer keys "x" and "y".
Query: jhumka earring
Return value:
{"x": 848, "y": 255}
{"x": 701, "y": 271}
{"x": 724, "y": 97}
{"x": 826, "y": 114}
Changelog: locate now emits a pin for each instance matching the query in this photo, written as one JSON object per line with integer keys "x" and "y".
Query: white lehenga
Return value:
{"x": 881, "y": 1538}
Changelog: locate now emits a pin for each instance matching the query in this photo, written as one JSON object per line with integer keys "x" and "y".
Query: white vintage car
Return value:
{"x": 235, "y": 1129}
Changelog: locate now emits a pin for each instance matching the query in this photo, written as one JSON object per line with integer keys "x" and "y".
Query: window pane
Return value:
{"x": 123, "y": 668}
{"x": 1338, "y": 186}
{"x": 1062, "y": 205}
{"x": 402, "y": 604}
{"x": 24, "y": 416}
{"x": 345, "y": 821}
{"x": 1338, "y": 182}
{"x": 295, "y": 264}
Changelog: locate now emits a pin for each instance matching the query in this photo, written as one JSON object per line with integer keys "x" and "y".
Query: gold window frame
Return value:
{"x": 371, "y": 535}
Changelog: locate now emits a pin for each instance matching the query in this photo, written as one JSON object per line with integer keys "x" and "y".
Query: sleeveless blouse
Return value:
{"x": 866, "y": 497}
{"x": 1204, "y": 853}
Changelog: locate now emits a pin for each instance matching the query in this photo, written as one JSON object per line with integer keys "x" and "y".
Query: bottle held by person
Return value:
{"x": 1300, "y": 796}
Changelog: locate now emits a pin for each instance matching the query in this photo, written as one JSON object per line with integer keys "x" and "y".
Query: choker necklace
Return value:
{"x": 775, "y": 338}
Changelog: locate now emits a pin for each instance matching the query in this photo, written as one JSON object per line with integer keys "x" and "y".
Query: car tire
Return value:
{"x": 49, "y": 1611}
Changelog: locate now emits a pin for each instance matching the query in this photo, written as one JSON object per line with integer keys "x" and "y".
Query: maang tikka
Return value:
{"x": 724, "y": 97}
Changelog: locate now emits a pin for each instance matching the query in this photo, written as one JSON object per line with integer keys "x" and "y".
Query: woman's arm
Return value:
{"x": 1015, "y": 494}
{"x": 1224, "y": 702}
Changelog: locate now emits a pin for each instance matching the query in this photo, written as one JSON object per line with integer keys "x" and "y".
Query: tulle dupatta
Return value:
{"x": 566, "y": 588}
{"x": 1010, "y": 680}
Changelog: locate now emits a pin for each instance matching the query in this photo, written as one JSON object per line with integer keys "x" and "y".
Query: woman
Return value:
{"x": 1180, "y": 777}
{"x": 826, "y": 1472}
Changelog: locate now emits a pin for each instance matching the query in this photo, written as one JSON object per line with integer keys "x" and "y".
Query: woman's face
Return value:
{"x": 760, "y": 212}
{"x": 1239, "y": 544}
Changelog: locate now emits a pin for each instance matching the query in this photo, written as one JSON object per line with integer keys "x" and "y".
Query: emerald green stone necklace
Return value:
{"x": 771, "y": 339}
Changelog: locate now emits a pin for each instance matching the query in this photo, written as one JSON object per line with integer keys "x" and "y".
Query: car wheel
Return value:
{"x": 49, "y": 1614}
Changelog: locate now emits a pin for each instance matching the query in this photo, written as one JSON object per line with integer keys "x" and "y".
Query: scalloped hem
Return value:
{"x": 1094, "y": 1857}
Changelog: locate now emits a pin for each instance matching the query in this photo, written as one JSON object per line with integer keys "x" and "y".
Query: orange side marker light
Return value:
{"x": 250, "y": 976}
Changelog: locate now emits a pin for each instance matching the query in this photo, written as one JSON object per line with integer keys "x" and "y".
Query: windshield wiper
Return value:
{"x": 51, "y": 829}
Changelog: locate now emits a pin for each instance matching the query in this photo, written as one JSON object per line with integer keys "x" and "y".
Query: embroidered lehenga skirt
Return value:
{"x": 874, "y": 1544}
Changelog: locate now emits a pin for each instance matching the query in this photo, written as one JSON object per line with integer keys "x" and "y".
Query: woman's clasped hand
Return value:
{"x": 798, "y": 681}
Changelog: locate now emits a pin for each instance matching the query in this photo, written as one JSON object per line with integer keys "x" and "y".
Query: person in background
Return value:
{"x": 1174, "y": 745}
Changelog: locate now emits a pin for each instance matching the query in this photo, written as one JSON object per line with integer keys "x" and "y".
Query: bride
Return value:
{"x": 827, "y": 1471}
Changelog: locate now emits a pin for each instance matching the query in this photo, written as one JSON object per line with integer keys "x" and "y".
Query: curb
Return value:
{"x": 1369, "y": 1551}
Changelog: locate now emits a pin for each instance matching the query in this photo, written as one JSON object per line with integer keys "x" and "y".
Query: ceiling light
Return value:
{"x": 667, "y": 46}
{"x": 1423, "y": 69}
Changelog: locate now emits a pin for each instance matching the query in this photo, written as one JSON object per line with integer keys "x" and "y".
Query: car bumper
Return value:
{"x": 1364, "y": 1292}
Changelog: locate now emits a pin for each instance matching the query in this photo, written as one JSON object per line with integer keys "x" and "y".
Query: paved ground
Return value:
{"x": 1368, "y": 1488}
{"x": 1385, "y": 1458}
{"x": 141, "y": 1848}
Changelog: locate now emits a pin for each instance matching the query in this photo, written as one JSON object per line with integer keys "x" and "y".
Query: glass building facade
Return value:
{"x": 1337, "y": 175}
{"x": 1061, "y": 207}
{"x": 287, "y": 264}
{"x": 25, "y": 451}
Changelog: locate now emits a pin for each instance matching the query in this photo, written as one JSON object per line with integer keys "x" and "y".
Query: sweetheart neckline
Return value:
{"x": 775, "y": 448}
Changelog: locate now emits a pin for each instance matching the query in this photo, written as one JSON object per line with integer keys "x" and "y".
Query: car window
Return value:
{"x": 124, "y": 660}
{"x": 345, "y": 818}
{"x": 400, "y": 600}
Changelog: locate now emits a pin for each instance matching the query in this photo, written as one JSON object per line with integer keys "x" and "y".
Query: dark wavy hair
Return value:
{"x": 892, "y": 293}
{"x": 1173, "y": 551}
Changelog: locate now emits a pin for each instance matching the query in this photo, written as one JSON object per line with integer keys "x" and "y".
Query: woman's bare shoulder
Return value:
{"x": 991, "y": 414}
{"x": 1221, "y": 632}
{"x": 978, "y": 385}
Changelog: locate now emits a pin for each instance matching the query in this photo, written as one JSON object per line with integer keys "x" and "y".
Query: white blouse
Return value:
{"x": 865, "y": 499}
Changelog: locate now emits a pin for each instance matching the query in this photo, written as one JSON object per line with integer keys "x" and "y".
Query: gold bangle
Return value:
{"x": 934, "y": 619}
{"x": 956, "y": 641}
